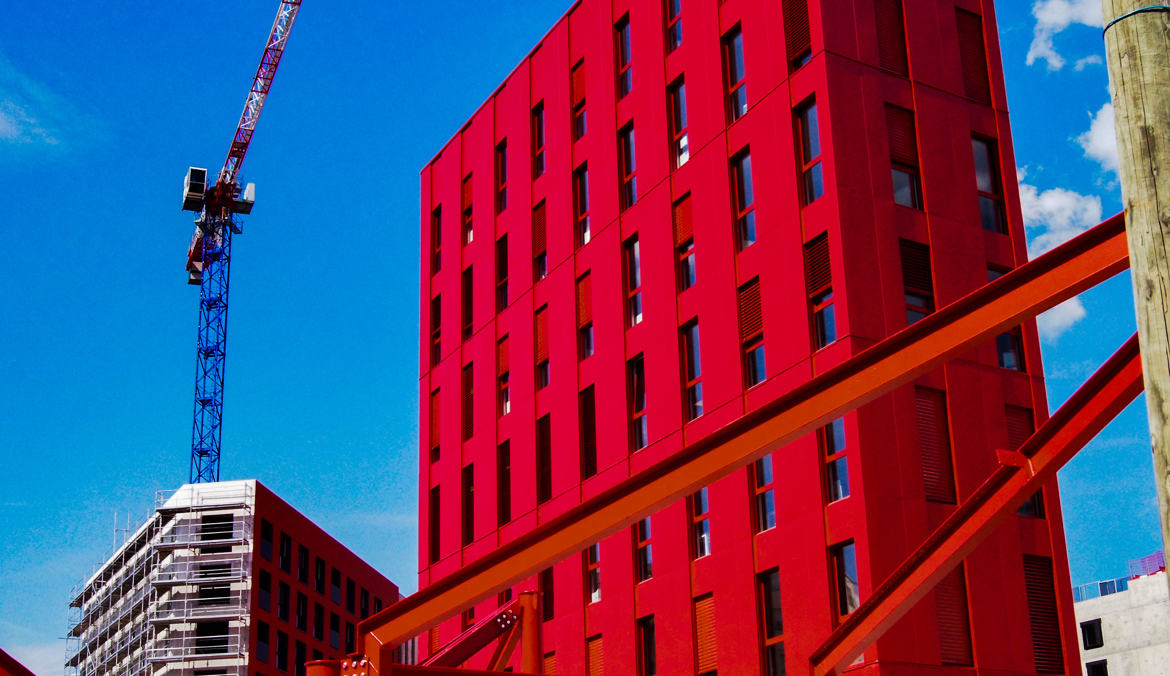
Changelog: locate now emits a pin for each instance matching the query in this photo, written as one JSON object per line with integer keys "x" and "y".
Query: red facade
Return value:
{"x": 593, "y": 298}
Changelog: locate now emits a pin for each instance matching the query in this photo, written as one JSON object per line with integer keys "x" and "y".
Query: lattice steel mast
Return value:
{"x": 209, "y": 256}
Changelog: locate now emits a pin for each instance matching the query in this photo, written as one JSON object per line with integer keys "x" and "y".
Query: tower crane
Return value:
{"x": 209, "y": 255}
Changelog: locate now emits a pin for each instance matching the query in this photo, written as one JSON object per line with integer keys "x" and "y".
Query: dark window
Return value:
{"x": 350, "y": 637}
{"x": 266, "y": 540}
{"x": 467, "y": 302}
{"x": 700, "y": 524}
{"x": 501, "y": 176}
{"x": 435, "y": 417}
{"x": 1042, "y": 614}
{"x": 625, "y": 74}
{"x": 1098, "y": 668}
{"x": 585, "y": 316}
{"x": 643, "y": 551}
{"x": 466, "y": 224}
{"x": 215, "y": 594}
{"x": 503, "y": 381}
{"x": 818, "y": 281}
{"x": 735, "y": 74}
{"x": 592, "y": 561}
{"x": 282, "y": 601}
{"x": 538, "y": 140}
{"x": 319, "y": 581}
{"x": 302, "y": 616}
{"x": 647, "y": 652}
{"x": 692, "y": 370}
{"x": 501, "y": 273}
{"x": 433, "y": 526}
{"x": 917, "y": 284}
{"x": 772, "y": 621}
{"x": 844, "y": 559}
{"x": 543, "y": 373}
{"x": 503, "y": 483}
{"x": 903, "y": 157}
{"x": 436, "y": 329}
{"x": 588, "y": 408}
{"x": 973, "y": 54}
{"x": 765, "y": 497}
{"x": 436, "y": 239}
{"x": 891, "y": 36}
{"x": 674, "y": 34}
{"x": 954, "y": 623}
{"x": 684, "y": 242}
{"x": 282, "y": 651}
{"x": 539, "y": 243}
{"x": 262, "y": 640}
{"x": 1010, "y": 350}
{"x": 299, "y": 659}
{"x": 745, "y": 199}
{"x": 467, "y": 414}
{"x": 627, "y": 166}
{"x": 988, "y": 184}
{"x": 350, "y": 595}
{"x": 547, "y": 598}
{"x": 832, "y": 438}
{"x": 264, "y": 594}
{"x": 636, "y": 382}
{"x": 211, "y": 638}
{"x": 468, "y": 504}
{"x": 751, "y": 333}
{"x": 543, "y": 459}
{"x": 934, "y": 443}
{"x": 285, "y": 553}
{"x": 797, "y": 41}
{"x": 318, "y": 622}
{"x": 302, "y": 564}
{"x": 632, "y": 259}
{"x": 334, "y": 630}
{"x": 1020, "y": 426}
{"x": 577, "y": 97}
{"x": 808, "y": 137}
{"x": 581, "y": 204}
{"x": 679, "y": 143}
{"x": 335, "y": 585}
{"x": 706, "y": 646}
{"x": 213, "y": 527}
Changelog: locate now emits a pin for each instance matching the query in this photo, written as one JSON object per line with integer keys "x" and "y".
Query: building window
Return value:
{"x": 285, "y": 553}
{"x": 542, "y": 368}
{"x": 539, "y": 243}
{"x": 577, "y": 96}
{"x": 808, "y": 136}
{"x": 764, "y": 494}
{"x": 952, "y": 619}
{"x": 299, "y": 658}
{"x": 987, "y": 182}
{"x": 548, "y": 608}
{"x": 538, "y": 140}
{"x": 282, "y": 600}
{"x": 844, "y": 560}
{"x": 465, "y": 216}
{"x": 581, "y": 205}
{"x": 891, "y": 36}
{"x": 319, "y": 582}
{"x": 467, "y": 414}
{"x": 632, "y": 258}
{"x": 502, "y": 176}
{"x": 934, "y": 442}
{"x": 436, "y": 328}
{"x": 686, "y": 265}
{"x": 1097, "y": 668}
{"x": 745, "y": 199}
{"x": 625, "y": 74}
{"x": 706, "y": 646}
{"x": 636, "y": 379}
{"x": 334, "y": 630}
{"x": 467, "y": 618}
{"x": 796, "y": 33}
{"x": 501, "y": 273}
{"x": 468, "y": 495}
{"x": 434, "y": 526}
{"x": 335, "y": 585}
{"x": 735, "y": 74}
{"x": 592, "y": 560}
{"x": 504, "y": 388}
{"x": 674, "y": 34}
{"x": 832, "y": 438}
{"x": 903, "y": 157}
{"x": 467, "y": 302}
{"x": 584, "y": 316}
{"x": 264, "y": 595}
{"x": 643, "y": 551}
{"x": 588, "y": 408}
{"x": 973, "y": 55}
{"x": 647, "y": 652}
{"x": 282, "y": 651}
{"x": 751, "y": 333}
{"x": 503, "y": 483}
{"x": 1010, "y": 349}
{"x": 543, "y": 459}
{"x": 819, "y": 286}
{"x": 1020, "y": 426}
{"x": 679, "y": 143}
{"x": 772, "y": 621}
{"x": 436, "y": 239}
{"x": 302, "y": 616}
{"x": 692, "y": 369}
{"x": 318, "y": 622}
{"x": 684, "y": 242}
{"x": 302, "y": 564}
{"x": 434, "y": 431}
{"x": 627, "y": 166}
{"x": 700, "y": 524}
{"x": 916, "y": 280}
{"x": 1040, "y": 590}
{"x": 266, "y": 540}
{"x": 262, "y": 639}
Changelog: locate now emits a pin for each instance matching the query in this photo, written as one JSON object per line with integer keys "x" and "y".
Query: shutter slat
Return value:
{"x": 891, "y": 33}
{"x": 973, "y": 54}
{"x": 916, "y": 266}
{"x": 751, "y": 319}
{"x": 465, "y": 195}
{"x": 705, "y": 645}
{"x": 900, "y": 128}
{"x": 541, "y": 335}
{"x": 954, "y": 624}
{"x": 584, "y": 300}
{"x": 503, "y": 356}
{"x": 938, "y": 472}
{"x": 577, "y": 83}
{"x": 596, "y": 656}
{"x": 550, "y": 664}
{"x": 683, "y": 225}
{"x": 1041, "y": 592}
{"x": 539, "y": 229}
{"x": 796, "y": 30}
{"x": 1020, "y": 425}
{"x": 817, "y": 271}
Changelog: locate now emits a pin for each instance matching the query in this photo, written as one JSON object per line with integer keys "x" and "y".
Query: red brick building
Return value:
{"x": 673, "y": 212}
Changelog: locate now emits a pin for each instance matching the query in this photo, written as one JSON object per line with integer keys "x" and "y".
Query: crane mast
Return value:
{"x": 209, "y": 255}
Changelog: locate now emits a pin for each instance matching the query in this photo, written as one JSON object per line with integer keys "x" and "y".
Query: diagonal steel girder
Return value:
{"x": 1019, "y": 295}
{"x": 1021, "y": 473}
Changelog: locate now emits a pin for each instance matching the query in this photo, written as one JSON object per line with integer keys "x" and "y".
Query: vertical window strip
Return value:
{"x": 916, "y": 279}
{"x": 954, "y": 623}
{"x": 934, "y": 443}
{"x": 891, "y": 35}
{"x": 625, "y": 74}
{"x": 973, "y": 54}
{"x": 706, "y": 647}
{"x": 735, "y": 74}
{"x": 543, "y": 460}
{"x": 587, "y": 404}
{"x": 1042, "y": 614}
{"x": 797, "y": 39}
{"x": 503, "y": 483}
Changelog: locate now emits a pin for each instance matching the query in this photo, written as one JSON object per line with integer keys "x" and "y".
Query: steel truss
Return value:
{"x": 1019, "y": 295}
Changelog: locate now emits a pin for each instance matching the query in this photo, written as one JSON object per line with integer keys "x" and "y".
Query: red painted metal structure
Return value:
{"x": 10, "y": 667}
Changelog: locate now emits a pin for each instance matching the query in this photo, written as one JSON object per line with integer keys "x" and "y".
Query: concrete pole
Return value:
{"x": 1137, "y": 48}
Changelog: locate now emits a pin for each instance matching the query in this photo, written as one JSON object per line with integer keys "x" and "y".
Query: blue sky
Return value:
{"x": 104, "y": 105}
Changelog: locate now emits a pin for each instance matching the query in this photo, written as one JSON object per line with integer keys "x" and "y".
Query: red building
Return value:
{"x": 673, "y": 212}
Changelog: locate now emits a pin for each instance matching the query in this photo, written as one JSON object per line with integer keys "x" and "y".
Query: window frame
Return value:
{"x": 632, "y": 264}
{"x": 467, "y": 212}
{"x": 673, "y": 28}
{"x": 692, "y": 369}
{"x": 501, "y": 168}
{"x": 771, "y": 643}
{"x": 503, "y": 483}
{"x": 835, "y": 459}
{"x": 627, "y": 168}
{"x": 809, "y": 152}
{"x": 763, "y": 483}
{"x": 623, "y": 57}
{"x": 538, "y": 139}
{"x": 582, "y": 232}
{"x": 436, "y": 239}
{"x": 639, "y": 402}
{"x": 699, "y": 508}
{"x": 688, "y": 274}
{"x": 991, "y": 195}
{"x": 591, "y": 560}
{"x": 744, "y": 198}
{"x": 734, "y": 74}
{"x": 842, "y": 557}
{"x": 643, "y": 551}
{"x": 676, "y": 97}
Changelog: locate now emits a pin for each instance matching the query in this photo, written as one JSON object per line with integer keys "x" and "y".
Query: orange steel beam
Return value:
{"x": 1020, "y": 474}
{"x": 1028, "y": 290}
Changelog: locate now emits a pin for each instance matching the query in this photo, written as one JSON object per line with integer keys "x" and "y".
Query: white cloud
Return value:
{"x": 1100, "y": 141}
{"x": 1055, "y": 322}
{"x": 1092, "y": 59}
{"x": 32, "y": 114}
{"x": 1052, "y": 17}
{"x": 1054, "y": 216}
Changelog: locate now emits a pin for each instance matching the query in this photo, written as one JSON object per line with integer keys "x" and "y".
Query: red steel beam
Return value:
{"x": 1020, "y": 474}
{"x": 1021, "y": 294}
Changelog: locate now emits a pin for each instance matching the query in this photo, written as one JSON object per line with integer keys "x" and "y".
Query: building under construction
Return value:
{"x": 223, "y": 579}
{"x": 808, "y": 179}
